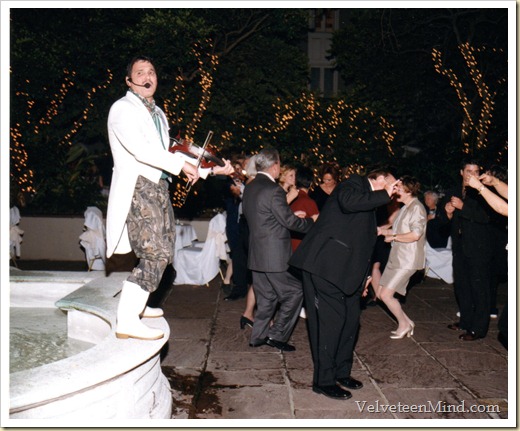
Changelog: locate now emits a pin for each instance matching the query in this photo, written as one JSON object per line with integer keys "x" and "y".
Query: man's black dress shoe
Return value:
{"x": 332, "y": 391}
{"x": 280, "y": 345}
{"x": 350, "y": 383}
{"x": 470, "y": 336}
{"x": 257, "y": 343}
{"x": 455, "y": 327}
{"x": 233, "y": 297}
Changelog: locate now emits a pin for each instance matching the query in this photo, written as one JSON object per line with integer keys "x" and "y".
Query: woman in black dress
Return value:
{"x": 329, "y": 174}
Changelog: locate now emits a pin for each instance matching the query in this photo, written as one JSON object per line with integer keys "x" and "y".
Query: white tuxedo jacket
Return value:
{"x": 137, "y": 149}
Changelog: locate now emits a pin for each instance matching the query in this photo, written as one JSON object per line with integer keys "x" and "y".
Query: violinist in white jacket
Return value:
{"x": 140, "y": 214}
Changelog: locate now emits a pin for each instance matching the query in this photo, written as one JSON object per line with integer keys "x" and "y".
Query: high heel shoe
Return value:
{"x": 406, "y": 333}
{"x": 245, "y": 321}
{"x": 412, "y": 324}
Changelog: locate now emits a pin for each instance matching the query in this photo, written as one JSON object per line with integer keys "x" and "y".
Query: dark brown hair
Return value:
{"x": 373, "y": 174}
{"x": 410, "y": 185}
{"x": 135, "y": 60}
{"x": 330, "y": 168}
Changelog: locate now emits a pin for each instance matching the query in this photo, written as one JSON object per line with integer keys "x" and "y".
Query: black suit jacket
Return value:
{"x": 339, "y": 246}
{"x": 469, "y": 227}
{"x": 270, "y": 221}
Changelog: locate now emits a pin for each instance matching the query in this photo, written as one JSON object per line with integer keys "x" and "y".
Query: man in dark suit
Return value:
{"x": 270, "y": 221}
{"x": 335, "y": 260}
{"x": 470, "y": 216}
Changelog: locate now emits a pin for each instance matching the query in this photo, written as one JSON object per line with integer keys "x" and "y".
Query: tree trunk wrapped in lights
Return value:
{"x": 477, "y": 105}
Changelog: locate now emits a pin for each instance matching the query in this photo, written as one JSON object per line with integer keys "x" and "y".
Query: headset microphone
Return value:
{"x": 147, "y": 85}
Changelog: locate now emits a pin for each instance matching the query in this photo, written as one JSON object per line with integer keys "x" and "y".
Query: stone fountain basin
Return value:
{"x": 113, "y": 379}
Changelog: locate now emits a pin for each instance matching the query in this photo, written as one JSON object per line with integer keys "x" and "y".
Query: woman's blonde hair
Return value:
{"x": 284, "y": 170}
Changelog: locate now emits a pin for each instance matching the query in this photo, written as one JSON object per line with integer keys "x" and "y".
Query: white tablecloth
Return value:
{"x": 199, "y": 265}
{"x": 439, "y": 262}
{"x": 184, "y": 235}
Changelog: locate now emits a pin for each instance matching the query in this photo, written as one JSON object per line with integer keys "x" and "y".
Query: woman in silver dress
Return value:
{"x": 407, "y": 236}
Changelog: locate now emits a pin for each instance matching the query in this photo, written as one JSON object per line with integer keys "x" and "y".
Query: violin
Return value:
{"x": 205, "y": 156}
{"x": 201, "y": 156}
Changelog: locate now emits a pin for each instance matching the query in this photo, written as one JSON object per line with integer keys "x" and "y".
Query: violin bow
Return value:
{"x": 199, "y": 161}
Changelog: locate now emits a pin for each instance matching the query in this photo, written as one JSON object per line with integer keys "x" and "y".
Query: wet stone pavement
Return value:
{"x": 214, "y": 374}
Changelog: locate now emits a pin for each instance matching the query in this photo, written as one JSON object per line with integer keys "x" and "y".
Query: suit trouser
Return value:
{"x": 271, "y": 289}
{"x": 333, "y": 323}
{"x": 472, "y": 286}
{"x": 498, "y": 265}
{"x": 241, "y": 274}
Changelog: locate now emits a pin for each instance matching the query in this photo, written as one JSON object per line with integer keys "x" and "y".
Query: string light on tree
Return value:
{"x": 20, "y": 174}
{"x": 67, "y": 139}
{"x": 323, "y": 127}
{"x": 207, "y": 63}
{"x": 35, "y": 130}
{"x": 55, "y": 103}
{"x": 477, "y": 113}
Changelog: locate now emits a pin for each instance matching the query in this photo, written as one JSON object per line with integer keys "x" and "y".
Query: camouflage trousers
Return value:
{"x": 151, "y": 230}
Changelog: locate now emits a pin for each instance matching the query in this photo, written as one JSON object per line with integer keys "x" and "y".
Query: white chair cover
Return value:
{"x": 439, "y": 263}
{"x": 15, "y": 233}
{"x": 93, "y": 239}
{"x": 198, "y": 266}
{"x": 185, "y": 235}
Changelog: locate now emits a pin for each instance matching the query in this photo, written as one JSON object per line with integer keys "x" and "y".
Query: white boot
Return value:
{"x": 152, "y": 312}
{"x": 132, "y": 303}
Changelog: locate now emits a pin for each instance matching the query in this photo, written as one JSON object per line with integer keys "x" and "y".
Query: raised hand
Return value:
{"x": 391, "y": 188}
{"x": 488, "y": 179}
{"x": 458, "y": 203}
{"x": 474, "y": 182}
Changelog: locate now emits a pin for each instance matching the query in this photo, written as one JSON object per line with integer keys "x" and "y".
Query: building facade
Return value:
{"x": 324, "y": 79}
